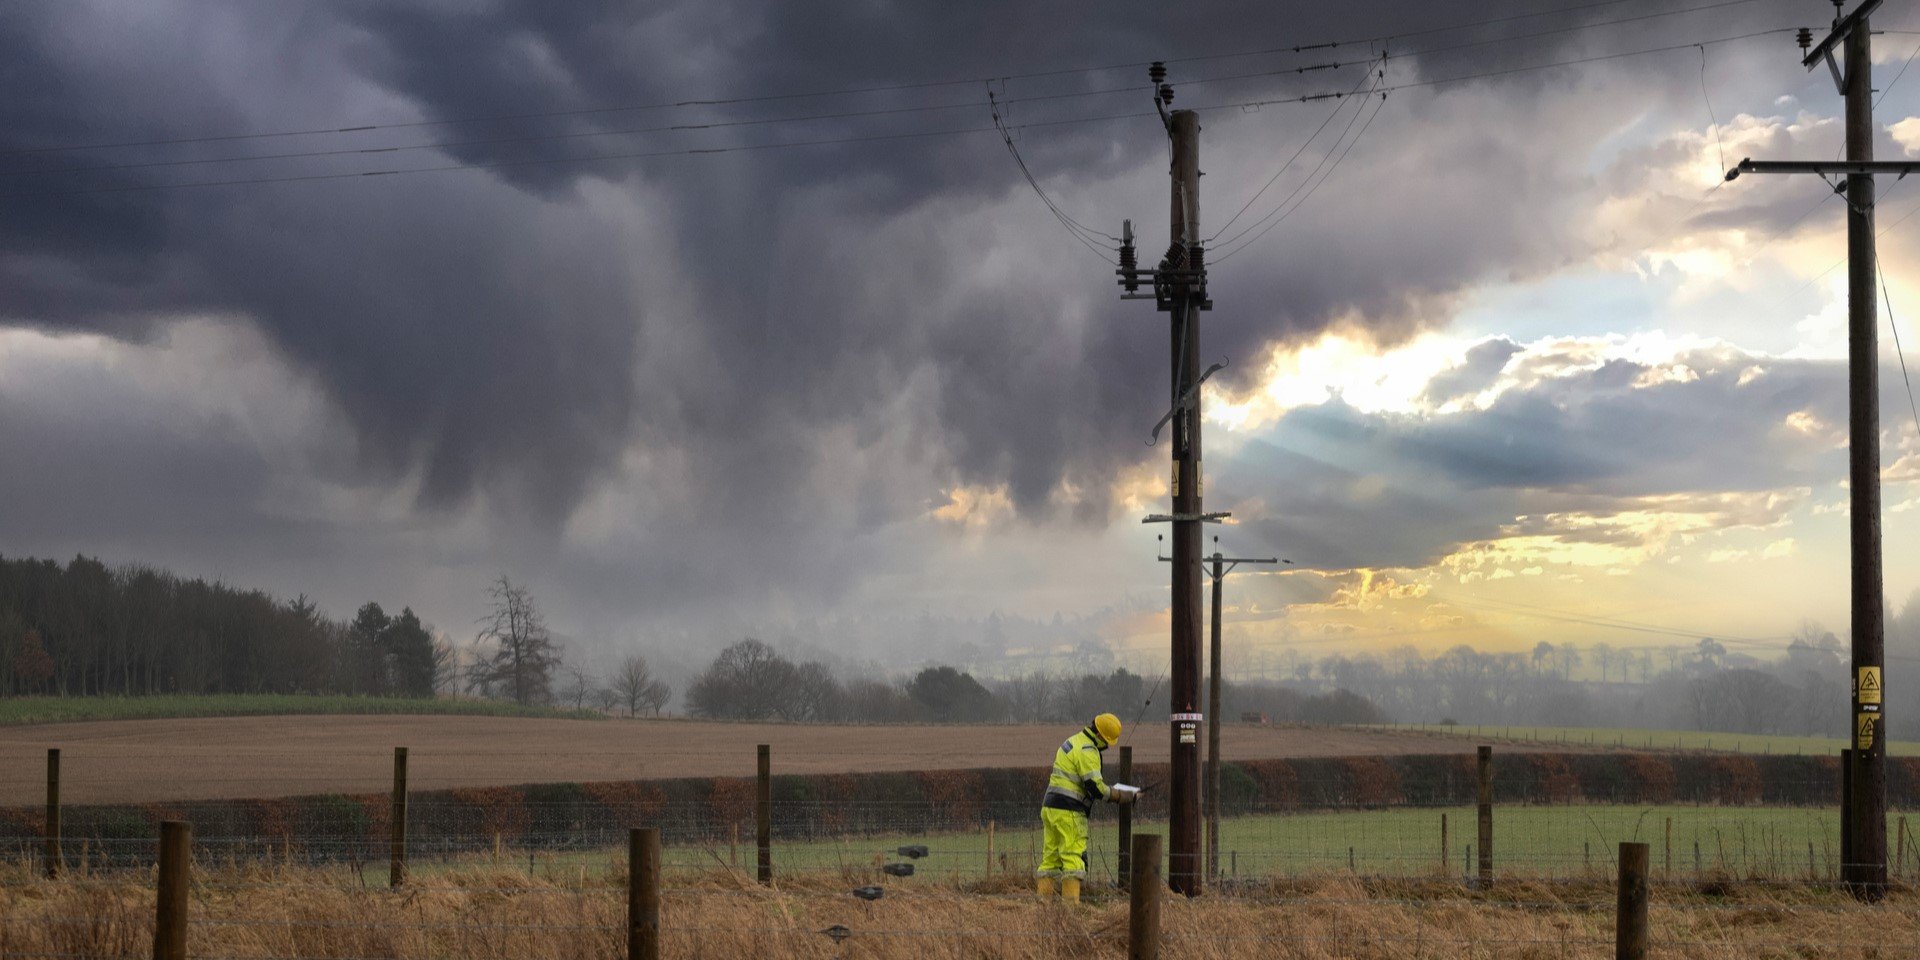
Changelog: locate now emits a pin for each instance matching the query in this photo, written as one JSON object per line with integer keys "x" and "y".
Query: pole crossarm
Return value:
{"x": 1185, "y": 517}
{"x": 1824, "y": 49}
{"x": 1232, "y": 562}
{"x": 1827, "y": 167}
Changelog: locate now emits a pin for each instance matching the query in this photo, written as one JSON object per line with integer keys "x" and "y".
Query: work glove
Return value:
{"x": 1122, "y": 793}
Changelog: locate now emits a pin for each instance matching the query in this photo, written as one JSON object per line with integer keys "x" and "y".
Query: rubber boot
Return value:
{"x": 1044, "y": 887}
{"x": 1070, "y": 890}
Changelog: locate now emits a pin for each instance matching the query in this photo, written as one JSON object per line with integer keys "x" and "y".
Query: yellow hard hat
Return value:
{"x": 1108, "y": 727}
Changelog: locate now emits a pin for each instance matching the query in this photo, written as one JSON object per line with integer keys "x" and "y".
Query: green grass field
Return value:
{"x": 1787, "y": 843}
{"x": 17, "y": 711}
{"x": 1555, "y": 841}
{"x": 1649, "y": 739}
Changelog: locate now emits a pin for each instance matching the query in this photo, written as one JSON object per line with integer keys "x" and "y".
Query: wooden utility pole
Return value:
{"x": 1222, "y": 565}
{"x": 1180, "y": 289}
{"x": 1865, "y": 843}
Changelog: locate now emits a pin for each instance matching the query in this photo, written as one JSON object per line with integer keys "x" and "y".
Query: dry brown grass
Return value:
{"x": 267, "y": 911}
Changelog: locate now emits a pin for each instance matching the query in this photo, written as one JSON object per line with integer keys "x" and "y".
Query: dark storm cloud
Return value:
{"x": 793, "y": 329}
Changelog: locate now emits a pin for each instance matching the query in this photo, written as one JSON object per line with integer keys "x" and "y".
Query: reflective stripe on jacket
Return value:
{"x": 1076, "y": 781}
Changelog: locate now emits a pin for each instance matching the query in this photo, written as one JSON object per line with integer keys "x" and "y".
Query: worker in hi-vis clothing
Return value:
{"x": 1071, "y": 791}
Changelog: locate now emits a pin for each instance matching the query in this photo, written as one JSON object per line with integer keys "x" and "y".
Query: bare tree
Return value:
{"x": 580, "y": 686}
{"x": 655, "y": 697}
{"x": 524, "y": 655}
{"x": 631, "y": 683}
{"x": 1603, "y": 658}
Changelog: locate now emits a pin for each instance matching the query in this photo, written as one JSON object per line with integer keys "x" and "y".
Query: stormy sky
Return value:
{"x": 705, "y": 319}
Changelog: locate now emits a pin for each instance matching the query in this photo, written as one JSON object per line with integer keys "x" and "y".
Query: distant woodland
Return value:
{"x": 84, "y": 628}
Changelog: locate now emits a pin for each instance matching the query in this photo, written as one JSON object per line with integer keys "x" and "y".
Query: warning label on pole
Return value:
{"x": 1868, "y": 688}
{"x": 1863, "y": 730}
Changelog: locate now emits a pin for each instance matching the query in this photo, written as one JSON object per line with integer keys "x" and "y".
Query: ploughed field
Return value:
{"x": 209, "y": 758}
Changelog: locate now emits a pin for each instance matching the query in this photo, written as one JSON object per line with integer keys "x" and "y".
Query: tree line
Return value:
{"x": 750, "y": 680}
{"x": 1711, "y": 684}
{"x": 84, "y": 629}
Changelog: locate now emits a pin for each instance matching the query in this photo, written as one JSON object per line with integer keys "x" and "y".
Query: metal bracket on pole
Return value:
{"x": 1185, "y": 402}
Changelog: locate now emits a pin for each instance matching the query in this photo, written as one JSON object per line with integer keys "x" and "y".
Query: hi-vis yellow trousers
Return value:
{"x": 1065, "y": 850}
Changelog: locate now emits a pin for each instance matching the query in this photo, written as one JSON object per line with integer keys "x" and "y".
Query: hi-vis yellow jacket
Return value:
{"x": 1076, "y": 781}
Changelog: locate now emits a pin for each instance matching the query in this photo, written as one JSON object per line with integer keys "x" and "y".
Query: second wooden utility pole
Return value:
{"x": 1222, "y": 565}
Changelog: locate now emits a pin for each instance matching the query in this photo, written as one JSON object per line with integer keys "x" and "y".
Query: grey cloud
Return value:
{"x": 1477, "y": 372}
{"x": 1338, "y": 487}
{"x": 815, "y": 339}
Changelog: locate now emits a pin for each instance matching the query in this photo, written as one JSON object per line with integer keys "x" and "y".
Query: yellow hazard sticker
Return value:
{"x": 1869, "y": 685}
{"x": 1176, "y": 478}
{"x": 1863, "y": 730}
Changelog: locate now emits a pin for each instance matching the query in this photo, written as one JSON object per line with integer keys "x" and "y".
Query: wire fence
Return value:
{"x": 1341, "y": 864}
{"x": 958, "y": 840}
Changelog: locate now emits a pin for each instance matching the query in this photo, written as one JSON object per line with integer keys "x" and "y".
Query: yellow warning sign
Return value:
{"x": 1869, "y": 686}
{"x": 1176, "y": 478}
{"x": 1863, "y": 730}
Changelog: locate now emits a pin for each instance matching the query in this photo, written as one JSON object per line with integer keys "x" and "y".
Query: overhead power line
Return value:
{"x": 1288, "y": 164}
{"x": 873, "y": 138}
{"x": 1260, "y": 227}
{"x": 715, "y": 101}
{"x": 1081, "y": 232}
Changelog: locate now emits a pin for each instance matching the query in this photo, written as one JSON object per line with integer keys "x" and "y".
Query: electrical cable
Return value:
{"x": 1898, "y": 350}
{"x": 1079, "y": 230}
{"x": 1227, "y": 253}
{"x": 1287, "y": 165}
{"x": 592, "y": 158}
{"x": 1717, "y": 143}
{"x": 885, "y": 88}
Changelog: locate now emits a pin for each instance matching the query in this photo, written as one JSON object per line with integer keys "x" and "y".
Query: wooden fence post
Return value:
{"x": 1143, "y": 899}
{"x": 1126, "y": 820}
{"x": 1443, "y": 844}
{"x": 1846, "y": 809}
{"x": 1630, "y": 915}
{"x": 170, "y": 903}
{"x": 397, "y": 849}
{"x": 53, "y": 813}
{"x": 763, "y": 814}
{"x": 643, "y": 893}
{"x": 1667, "y": 870}
{"x": 1900, "y": 851}
{"x": 989, "y": 848}
{"x": 1486, "y": 816}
